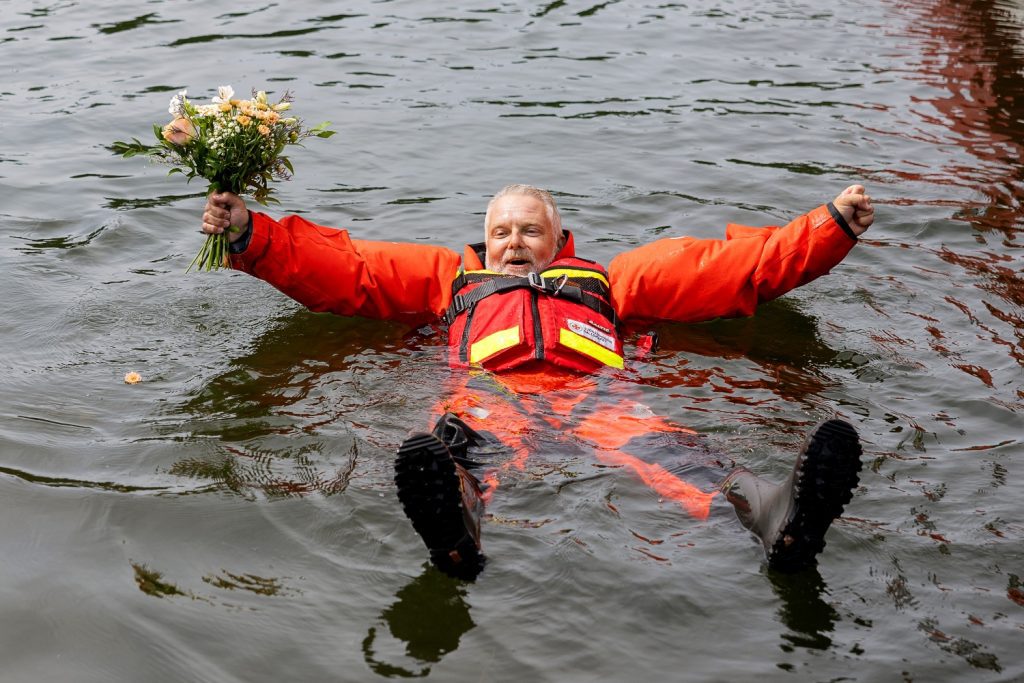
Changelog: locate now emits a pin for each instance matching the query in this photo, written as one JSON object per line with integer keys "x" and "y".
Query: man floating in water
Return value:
{"x": 536, "y": 318}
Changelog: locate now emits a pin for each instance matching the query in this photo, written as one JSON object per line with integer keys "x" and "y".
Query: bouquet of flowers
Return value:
{"x": 235, "y": 144}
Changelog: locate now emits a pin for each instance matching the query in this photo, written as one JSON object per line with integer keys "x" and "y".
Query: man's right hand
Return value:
{"x": 225, "y": 210}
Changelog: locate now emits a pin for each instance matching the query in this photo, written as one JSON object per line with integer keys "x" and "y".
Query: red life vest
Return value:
{"x": 562, "y": 316}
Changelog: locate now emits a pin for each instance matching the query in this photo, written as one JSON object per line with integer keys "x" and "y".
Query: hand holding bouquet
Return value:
{"x": 236, "y": 145}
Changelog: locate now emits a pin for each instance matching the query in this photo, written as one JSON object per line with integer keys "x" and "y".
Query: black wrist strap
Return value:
{"x": 242, "y": 243}
{"x": 840, "y": 221}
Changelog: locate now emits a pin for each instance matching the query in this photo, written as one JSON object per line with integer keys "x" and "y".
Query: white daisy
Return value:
{"x": 224, "y": 94}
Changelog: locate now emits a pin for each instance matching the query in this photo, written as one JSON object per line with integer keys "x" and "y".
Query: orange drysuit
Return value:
{"x": 680, "y": 279}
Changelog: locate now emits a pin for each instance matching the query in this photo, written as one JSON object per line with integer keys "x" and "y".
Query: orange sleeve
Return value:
{"x": 325, "y": 270}
{"x": 689, "y": 280}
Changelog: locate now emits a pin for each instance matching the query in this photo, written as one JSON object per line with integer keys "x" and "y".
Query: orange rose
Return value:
{"x": 180, "y": 131}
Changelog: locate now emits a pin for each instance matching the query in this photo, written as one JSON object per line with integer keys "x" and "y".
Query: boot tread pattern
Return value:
{"x": 428, "y": 488}
{"x": 827, "y": 476}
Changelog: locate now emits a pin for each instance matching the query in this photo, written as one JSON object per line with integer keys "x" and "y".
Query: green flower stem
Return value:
{"x": 214, "y": 254}
{"x": 211, "y": 256}
{"x": 194, "y": 262}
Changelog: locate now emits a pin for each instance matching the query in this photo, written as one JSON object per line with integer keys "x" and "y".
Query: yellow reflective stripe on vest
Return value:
{"x": 552, "y": 272}
{"x": 573, "y": 273}
{"x": 493, "y": 343}
{"x": 588, "y": 348}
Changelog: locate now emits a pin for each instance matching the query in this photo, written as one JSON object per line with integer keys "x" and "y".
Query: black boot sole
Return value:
{"x": 828, "y": 473}
{"x": 428, "y": 488}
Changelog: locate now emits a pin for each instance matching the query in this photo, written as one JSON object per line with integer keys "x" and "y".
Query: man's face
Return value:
{"x": 520, "y": 237}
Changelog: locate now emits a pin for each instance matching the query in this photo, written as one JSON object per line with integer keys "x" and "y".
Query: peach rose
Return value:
{"x": 180, "y": 131}
{"x": 132, "y": 378}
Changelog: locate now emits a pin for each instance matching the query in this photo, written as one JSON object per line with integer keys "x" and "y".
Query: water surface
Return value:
{"x": 232, "y": 517}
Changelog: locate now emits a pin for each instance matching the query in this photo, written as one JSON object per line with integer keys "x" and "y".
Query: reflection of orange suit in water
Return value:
{"x": 677, "y": 279}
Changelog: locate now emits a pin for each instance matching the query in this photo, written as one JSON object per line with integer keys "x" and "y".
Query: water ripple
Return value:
{"x": 137, "y": 22}
{"x": 214, "y": 37}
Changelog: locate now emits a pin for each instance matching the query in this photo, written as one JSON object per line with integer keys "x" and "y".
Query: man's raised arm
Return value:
{"x": 325, "y": 270}
{"x": 689, "y": 280}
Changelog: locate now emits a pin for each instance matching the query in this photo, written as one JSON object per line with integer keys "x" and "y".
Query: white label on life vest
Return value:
{"x": 593, "y": 334}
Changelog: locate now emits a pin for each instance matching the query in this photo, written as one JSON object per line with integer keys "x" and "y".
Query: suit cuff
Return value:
{"x": 242, "y": 243}
{"x": 836, "y": 216}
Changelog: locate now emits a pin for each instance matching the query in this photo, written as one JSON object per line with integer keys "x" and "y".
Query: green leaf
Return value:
{"x": 130, "y": 149}
{"x": 320, "y": 130}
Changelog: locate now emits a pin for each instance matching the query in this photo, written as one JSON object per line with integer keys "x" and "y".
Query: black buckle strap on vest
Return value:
{"x": 573, "y": 292}
{"x": 559, "y": 286}
{"x": 591, "y": 301}
{"x": 462, "y": 302}
{"x": 538, "y": 282}
{"x": 472, "y": 277}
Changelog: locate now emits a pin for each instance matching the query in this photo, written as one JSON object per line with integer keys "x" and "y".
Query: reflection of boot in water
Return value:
{"x": 803, "y": 610}
{"x": 429, "y": 616}
{"x": 791, "y": 518}
{"x": 440, "y": 496}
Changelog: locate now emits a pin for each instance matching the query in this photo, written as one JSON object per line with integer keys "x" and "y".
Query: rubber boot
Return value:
{"x": 791, "y": 518}
{"x": 460, "y": 438}
{"x": 443, "y": 501}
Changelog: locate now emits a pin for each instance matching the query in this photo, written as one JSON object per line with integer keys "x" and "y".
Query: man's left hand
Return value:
{"x": 855, "y": 205}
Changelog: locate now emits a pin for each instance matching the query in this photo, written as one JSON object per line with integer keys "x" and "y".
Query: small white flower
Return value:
{"x": 177, "y": 106}
{"x": 224, "y": 94}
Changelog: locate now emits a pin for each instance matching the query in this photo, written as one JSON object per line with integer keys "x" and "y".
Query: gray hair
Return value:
{"x": 529, "y": 191}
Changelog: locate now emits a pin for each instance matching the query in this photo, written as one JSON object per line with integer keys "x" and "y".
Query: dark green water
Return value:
{"x": 232, "y": 517}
